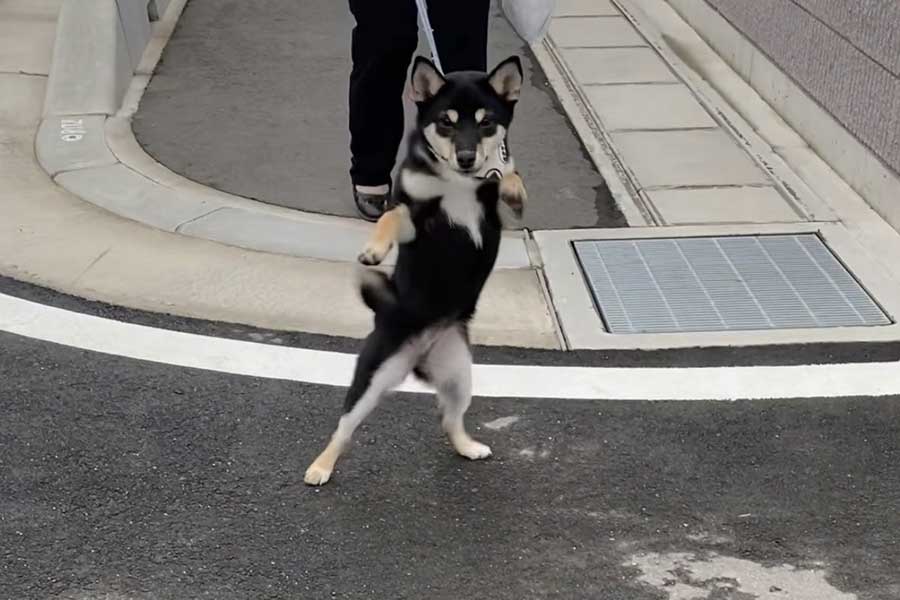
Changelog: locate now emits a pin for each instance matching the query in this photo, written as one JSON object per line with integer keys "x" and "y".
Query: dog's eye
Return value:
{"x": 486, "y": 122}
{"x": 446, "y": 121}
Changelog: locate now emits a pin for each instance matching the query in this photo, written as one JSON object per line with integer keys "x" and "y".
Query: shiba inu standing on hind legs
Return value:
{"x": 447, "y": 223}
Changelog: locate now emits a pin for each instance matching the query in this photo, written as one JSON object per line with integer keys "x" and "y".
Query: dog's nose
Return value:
{"x": 466, "y": 159}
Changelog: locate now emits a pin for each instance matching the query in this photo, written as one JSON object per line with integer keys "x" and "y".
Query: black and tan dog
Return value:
{"x": 447, "y": 223}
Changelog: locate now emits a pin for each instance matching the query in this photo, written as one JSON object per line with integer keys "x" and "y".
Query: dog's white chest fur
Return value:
{"x": 458, "y": 199}
{"x": 463, "y": 209}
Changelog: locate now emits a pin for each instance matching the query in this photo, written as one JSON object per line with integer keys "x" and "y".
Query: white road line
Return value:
{"x": 78, "y": 330}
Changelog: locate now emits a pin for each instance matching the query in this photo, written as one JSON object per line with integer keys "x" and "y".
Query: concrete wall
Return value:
{"x": 844, "y": 53}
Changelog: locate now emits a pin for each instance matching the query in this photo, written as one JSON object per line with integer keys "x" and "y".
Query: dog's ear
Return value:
{"x": 426, "y": 80}
{"x": 506, "y": 79}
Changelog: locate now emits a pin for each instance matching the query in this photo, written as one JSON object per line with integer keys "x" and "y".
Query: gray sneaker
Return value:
{"x": 371, "y": 206}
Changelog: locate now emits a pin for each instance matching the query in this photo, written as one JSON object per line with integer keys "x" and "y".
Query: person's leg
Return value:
{"x": 383, "y": 42}
{"x": 460, "y": 32}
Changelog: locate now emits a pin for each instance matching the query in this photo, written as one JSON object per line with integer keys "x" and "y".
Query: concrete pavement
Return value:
{"x": 98, "y": 159}
{"x": 716, "y": 169}
{"x": 50, "y": 237}
{"x": 219, "y": 96}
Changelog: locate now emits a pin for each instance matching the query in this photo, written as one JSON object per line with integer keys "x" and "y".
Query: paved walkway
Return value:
{"x": 680, "y": 151}
{"x": 281, "y": 268}
{"x": 95, "y": 242}
{"x": 537, "y": 296}
{"x": 220, "y": 96}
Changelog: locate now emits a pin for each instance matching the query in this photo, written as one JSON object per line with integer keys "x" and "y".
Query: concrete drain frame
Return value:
{"x": 585, "y": 326}
{"x": 723, "y": 283}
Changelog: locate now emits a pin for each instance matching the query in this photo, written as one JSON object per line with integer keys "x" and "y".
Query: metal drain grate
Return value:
{"x": 723, "y": 283}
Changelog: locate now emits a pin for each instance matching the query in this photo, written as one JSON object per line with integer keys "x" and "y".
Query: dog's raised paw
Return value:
{"x": 474, "y": 450}
{"x": 316, "y": 475}
{"x": 513, "y": 193}
{"x": 371, "y": 256}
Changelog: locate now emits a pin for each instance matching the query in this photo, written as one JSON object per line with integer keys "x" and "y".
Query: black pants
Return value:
{"x": 384, "y": 40}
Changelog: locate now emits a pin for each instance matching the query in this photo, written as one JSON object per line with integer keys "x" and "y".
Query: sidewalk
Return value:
{"x": 642, "y": 92}
{"x": 686, "y": 167}
{"x": 218, "y": 97}
{"x": 675, "y": 152}
{"x": 103, "y": 249}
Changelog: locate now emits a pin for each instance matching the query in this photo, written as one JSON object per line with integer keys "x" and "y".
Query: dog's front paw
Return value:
{"x": 316, "y": 475}
{"x": 513, "y": 193}
{"x": 373, "y": 254}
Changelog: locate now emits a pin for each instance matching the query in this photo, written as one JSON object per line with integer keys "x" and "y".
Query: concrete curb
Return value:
{"x": 91, "y": 66}
{"x": 99, "y": 46}
{"x": 583, "y": 331}
{"x": 592, "y": 135}
{"x": 87, "y": 145}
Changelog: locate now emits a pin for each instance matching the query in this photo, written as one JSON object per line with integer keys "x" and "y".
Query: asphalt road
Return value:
{"x": 125, "y": 479}
{"x": 251, "y": 98}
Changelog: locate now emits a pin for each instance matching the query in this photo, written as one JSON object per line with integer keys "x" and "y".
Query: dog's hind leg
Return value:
{"x": 373, "y": 377}
{"x": 449, "y": 367}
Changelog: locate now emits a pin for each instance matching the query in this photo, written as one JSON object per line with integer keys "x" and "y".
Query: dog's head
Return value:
{"x": 465, "y": 115}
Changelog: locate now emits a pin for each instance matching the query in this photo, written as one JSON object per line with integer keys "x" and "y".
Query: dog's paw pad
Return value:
{"x": 371, "y": 257}
{"x": 316, "y": 475}
{"x": 474, "y": 450}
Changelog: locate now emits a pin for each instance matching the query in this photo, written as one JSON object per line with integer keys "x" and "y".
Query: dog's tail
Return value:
{"x": 377, "y": 291}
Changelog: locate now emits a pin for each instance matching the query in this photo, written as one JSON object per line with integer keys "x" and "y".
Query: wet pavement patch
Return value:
{"x": 135, "y": 480}
{"x": 688, "y": 576}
